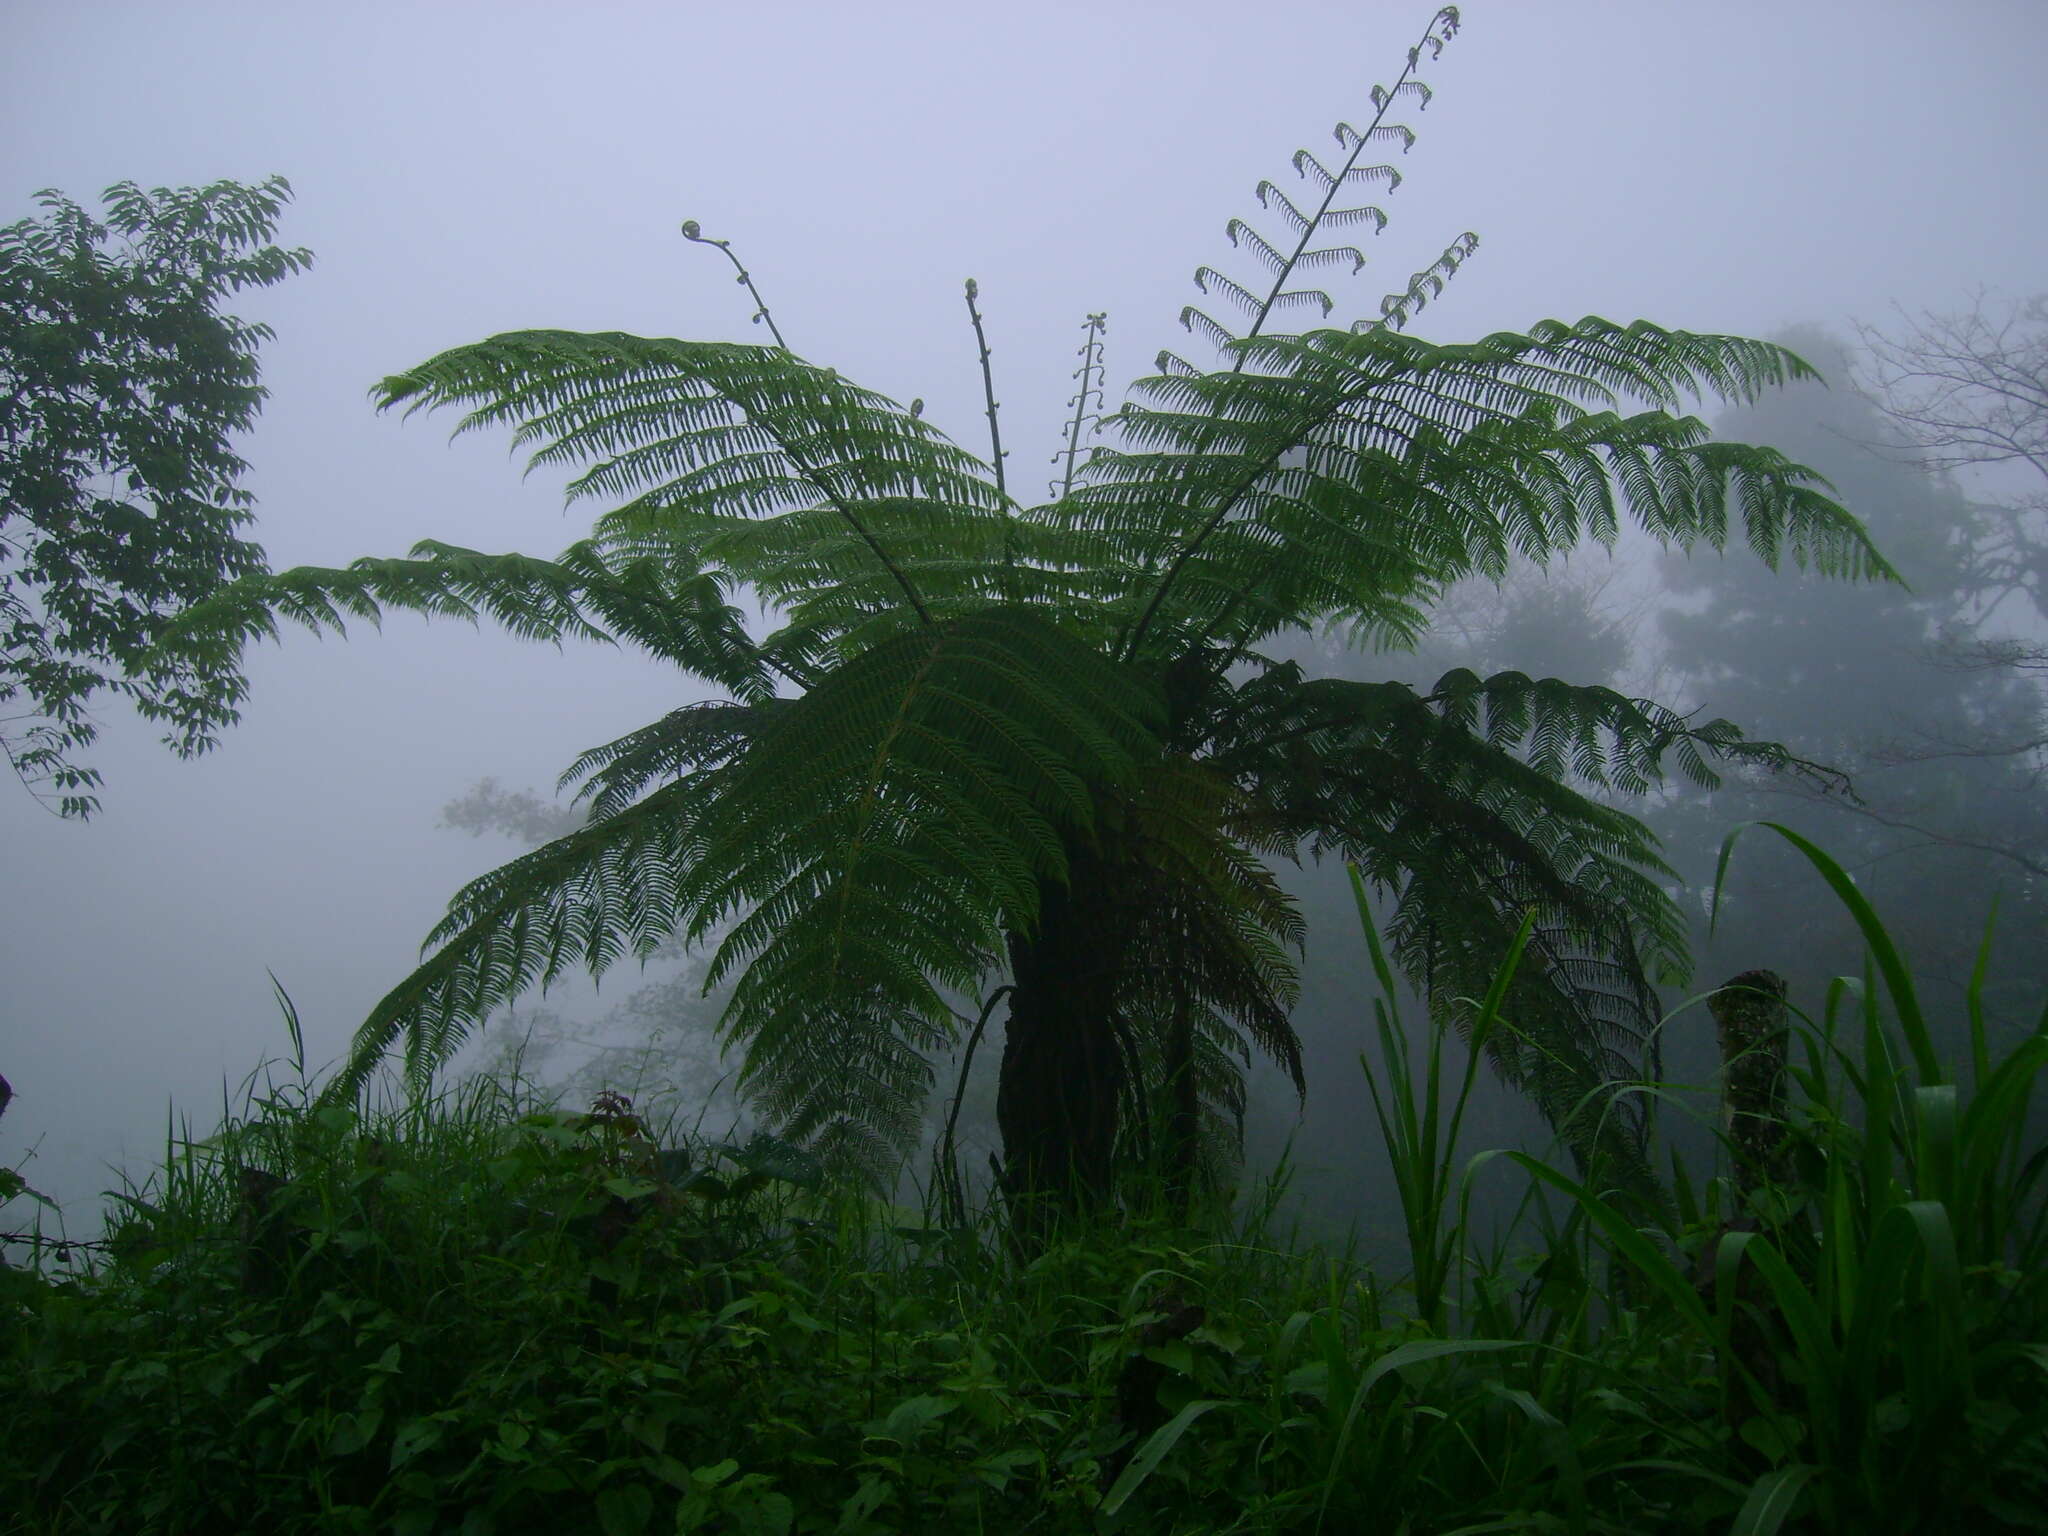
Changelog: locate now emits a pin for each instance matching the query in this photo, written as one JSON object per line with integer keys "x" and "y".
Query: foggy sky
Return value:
{"x": 466, "y": 169}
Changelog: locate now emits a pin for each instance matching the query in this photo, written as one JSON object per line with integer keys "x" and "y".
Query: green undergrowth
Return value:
{"x": 480, "y": 1314}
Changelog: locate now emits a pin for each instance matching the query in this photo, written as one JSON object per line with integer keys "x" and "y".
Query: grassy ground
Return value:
{"x": 478, "y": 1314}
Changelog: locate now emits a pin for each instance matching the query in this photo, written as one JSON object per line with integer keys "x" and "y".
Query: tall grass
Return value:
{"x": 1871, "y": 1329}
{"x": 481, "y": 1313}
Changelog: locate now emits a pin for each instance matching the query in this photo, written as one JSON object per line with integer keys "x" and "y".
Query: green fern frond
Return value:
{"x": 682, "y": 742}
{"x": 672, "y": 607}
{"x": 1086, "y": 402}
{"x": 1593, "y": 734}
{"x": 709, "y": 437}
{"x": 1422, "y": 794}
{"x": 1377, "y": 466}
{"x": 1283, "y": 265}
{"x": 583, "y": 899}
{"x": 883, "y": 832}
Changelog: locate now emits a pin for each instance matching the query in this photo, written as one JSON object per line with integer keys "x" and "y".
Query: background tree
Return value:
{"x": 978, "y": 740}
{"x": 121, "y": 384}
{"x": 1947, "y": 810}
{"x": 1968, "y": 392}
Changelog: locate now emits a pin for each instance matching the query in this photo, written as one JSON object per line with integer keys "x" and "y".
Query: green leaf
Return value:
{"x": 348, "y": 1433}
{"x": 414, "y": 1438}
{"x": 1772, "y": 1499}
{"x": 908, "y": 1420}
{"x": 1157, "y": 1444}
{"x": 624, "y": 1511}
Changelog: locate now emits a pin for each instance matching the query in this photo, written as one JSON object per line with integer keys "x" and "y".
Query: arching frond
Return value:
{"x": 682, "y": 742}
{"x": 748, "y": 454}
{"x": 671, "y": 607}
{"x": 585, "y": 899}
{"x": 1592, "y": 734}
{"x": 1342, "y": 475}
{"x": 1423, "y": 794}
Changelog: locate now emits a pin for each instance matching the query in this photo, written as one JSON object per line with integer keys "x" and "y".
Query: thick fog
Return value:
{"x": 466, "y": 169}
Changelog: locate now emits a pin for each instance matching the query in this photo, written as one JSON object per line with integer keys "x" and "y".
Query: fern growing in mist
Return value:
{"x": 975, "y": 741}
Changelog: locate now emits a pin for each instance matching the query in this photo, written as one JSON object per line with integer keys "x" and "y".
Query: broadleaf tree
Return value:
{"x": 122, "y": 385}
{"x": 977, "y": 746}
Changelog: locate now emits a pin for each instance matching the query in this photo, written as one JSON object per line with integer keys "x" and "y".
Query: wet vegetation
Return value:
{"x": 964, "y": 751}
{"x": 480, "y": 1313}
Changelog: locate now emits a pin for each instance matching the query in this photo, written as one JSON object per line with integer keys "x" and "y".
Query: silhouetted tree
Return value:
{"x": 121, "y": 384}
{"x": 980, "y": 739}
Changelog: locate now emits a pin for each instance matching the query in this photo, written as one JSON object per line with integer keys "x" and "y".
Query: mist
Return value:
{"x": 464, "y": 170}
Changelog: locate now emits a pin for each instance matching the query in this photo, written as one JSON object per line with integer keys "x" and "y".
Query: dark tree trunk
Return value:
{"x": 1183, "y": 1114}
{"x": 1749, "y": 1021}
{"x": 1063, "y": 1076}
{"x": 1749, "y": 1024}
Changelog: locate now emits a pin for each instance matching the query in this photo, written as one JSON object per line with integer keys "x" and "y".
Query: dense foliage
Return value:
{"x": 1039, "y": 753}
{"x": 1908, "y": 689}
{"x": 488, "y": 1316}
{"x": 121, "y": 386}
{"x": 1943, "y": 754}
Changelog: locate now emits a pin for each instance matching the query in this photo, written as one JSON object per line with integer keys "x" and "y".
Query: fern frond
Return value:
{"x": 883, "y": 832}
{"x": 1304, "y": 226}
{"x": 671, "y": 607}
{"x": 1593, "y": 734}
{"x": 1340, "y": 472}
{"x": 1087, "y": 400}
{"x": 709, "y": 438}
{"x": 583, "y": 899}
{"x": 1423, "y": 794}
{"x": 680, "y": 743}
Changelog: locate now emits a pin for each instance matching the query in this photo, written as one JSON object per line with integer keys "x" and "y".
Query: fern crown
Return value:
{"x": 958, "y": 702}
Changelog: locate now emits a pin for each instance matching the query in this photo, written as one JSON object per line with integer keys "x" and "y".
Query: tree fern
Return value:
{"x": 975, "y": 742}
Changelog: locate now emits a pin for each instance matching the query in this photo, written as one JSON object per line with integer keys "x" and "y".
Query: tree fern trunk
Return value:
{"x": 1184, "y": 1113}
{"x": 1062, "y": 1082}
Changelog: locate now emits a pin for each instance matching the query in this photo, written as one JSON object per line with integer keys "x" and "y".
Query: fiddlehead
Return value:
{"x": 1090, "y": 374}
{"x": 693, "y": 231}
{"x": 988, "y": 390}
{"x": 1396, "y": 309}
{"x": 1300, "y": 227}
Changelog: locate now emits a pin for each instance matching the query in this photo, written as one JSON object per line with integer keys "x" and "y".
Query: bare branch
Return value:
{"x": 1969, "y": 387}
